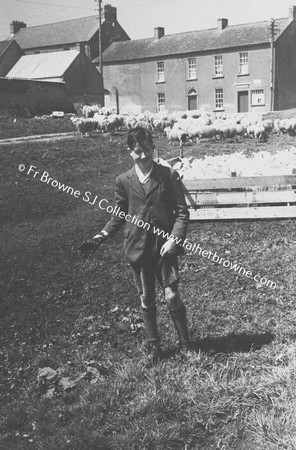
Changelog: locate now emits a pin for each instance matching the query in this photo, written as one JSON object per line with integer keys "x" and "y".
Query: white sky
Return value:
{"x": 139, "y": 17}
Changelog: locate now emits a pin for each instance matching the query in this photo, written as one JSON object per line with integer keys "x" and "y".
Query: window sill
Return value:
{"x": 217, "y": 76}
{"x": 159, "y": 82}
{"x": 192, "y": 79}
{"x": 219, "y": 109}
{"x": 243, "y": 74}
{"x": 261, "y": 104}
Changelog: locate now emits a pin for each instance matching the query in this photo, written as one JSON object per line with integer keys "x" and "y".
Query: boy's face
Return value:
{"x": 142, "y": 151}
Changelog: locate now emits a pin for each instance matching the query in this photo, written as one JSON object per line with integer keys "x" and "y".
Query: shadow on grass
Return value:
{"x": 233, "y": 343}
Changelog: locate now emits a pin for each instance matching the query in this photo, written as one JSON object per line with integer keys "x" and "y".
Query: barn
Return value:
{"x": 48, "y": 81}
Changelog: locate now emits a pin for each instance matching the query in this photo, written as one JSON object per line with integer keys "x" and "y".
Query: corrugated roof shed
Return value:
{"x": 43, "y": 65}
{"x": 193, "y": 41}
{"x": 59, "y": 33}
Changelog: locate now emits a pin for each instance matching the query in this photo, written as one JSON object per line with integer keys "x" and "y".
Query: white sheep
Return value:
{"x": 257, "y": 131}
{"x": 206, "y": 131}
{"x": 192, "y": 131}
{"x": 100, "y": 121}
{"x": 90, "y": 110}
{"x": 84, "y": 126}
{"x": 113, "y": 122}
{"x": 159, "y": 124}
{"x": 176, "y": 134}
{"x": 287, "y": 126}
{"x": 268, "y": 125}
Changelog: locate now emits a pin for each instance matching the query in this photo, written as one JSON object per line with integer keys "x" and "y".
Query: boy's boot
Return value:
{"x": 154, "y": 350}
{"x": 180, "y": 322}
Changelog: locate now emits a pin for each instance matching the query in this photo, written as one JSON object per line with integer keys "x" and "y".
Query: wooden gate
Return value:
{"x": 263, "y": 197}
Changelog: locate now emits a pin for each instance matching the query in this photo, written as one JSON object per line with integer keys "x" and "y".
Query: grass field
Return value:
{"x": 15, "y": 127}
{"x": 57, "y": 311}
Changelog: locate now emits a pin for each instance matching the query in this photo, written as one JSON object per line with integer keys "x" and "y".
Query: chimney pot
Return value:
{"x": 110, "y": 13}
{"x": 16, "y": 25}
{"x": 158, "y": 32}
{"x": 222, "y": 23}
{"x": 292, "y": 12}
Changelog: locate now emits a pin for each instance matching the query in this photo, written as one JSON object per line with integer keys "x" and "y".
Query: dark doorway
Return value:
{"x": 115, "y": 99}
{"x": 243, "y": 101}
{"x": 192, "y": 100}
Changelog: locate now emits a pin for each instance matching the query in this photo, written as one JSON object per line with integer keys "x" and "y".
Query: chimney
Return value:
{"x": 110, "y": 13}
{"x": 15, "y": 26}
{"x": 222, "y": 23}
{"x": 158, "y": 32}
{"x": 292, "y": 12}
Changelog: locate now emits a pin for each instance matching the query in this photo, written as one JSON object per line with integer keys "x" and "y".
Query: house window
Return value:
{"x": 243, "y": 63}
{"x": 160, "y": 101}
{"x": 257, "y": 97}
{"x": 192, "y": 68}
{"x": 218, "y": 65}
{"x": 160, "y": 71}
{"x": 219, "y": 98}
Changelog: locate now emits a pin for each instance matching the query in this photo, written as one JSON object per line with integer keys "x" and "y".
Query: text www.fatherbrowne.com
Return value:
{"x": 106, "y": 206}
{"x": 215, "y": 258}
{"x": 185, "y": 243}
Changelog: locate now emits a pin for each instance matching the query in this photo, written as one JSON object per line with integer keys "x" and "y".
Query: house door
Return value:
{"x": 115, "y": 99}
{"x": 192, "y": 100}
{"x": 243, "y": 101}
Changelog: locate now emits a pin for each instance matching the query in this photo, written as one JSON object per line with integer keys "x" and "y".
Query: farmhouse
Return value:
{"x": 48, "y": 81}
{"x": 231, "y": 68}
{"x": 82, "y": 33}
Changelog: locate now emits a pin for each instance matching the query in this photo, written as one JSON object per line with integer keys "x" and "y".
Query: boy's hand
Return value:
{"x": 89, "y": 247}
{"x": 168, "y": 248}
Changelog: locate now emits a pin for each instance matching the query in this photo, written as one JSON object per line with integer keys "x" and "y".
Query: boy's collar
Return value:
{"x": 143, "y": 177}
{"x": 136, "y": 185}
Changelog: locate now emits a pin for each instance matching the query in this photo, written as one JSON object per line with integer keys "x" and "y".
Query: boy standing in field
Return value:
{"x": 153, "y": 193}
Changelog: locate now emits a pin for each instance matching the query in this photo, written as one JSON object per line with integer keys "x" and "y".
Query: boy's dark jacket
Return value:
{"x": 163, "y": 207}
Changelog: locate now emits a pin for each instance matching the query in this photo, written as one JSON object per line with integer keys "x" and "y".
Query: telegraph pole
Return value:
{"x": 272, "y": 28}
{"x": 100, "y": 37}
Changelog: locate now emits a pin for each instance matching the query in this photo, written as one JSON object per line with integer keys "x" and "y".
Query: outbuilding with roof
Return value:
{"x": 49, "y": 81}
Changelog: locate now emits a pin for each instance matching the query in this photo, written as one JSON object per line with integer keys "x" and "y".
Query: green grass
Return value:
{"x": 235, "y": 392}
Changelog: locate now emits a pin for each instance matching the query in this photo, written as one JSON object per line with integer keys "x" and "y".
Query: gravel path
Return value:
{"x": 37, "y": 138}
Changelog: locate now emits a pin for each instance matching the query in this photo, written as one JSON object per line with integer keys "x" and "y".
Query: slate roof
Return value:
{"x": 3, "y": 46}
{"x": 193, "y": 41}
{"x": 59, "y": 33}
{"x": 43, "y": 65}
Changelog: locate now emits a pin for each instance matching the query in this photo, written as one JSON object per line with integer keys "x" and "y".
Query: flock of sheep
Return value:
{"x": 182, "y": 126}
{"x": 262, "y": 163}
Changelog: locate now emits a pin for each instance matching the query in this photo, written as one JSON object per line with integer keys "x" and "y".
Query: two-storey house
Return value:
{"x": 231, "y": 68}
